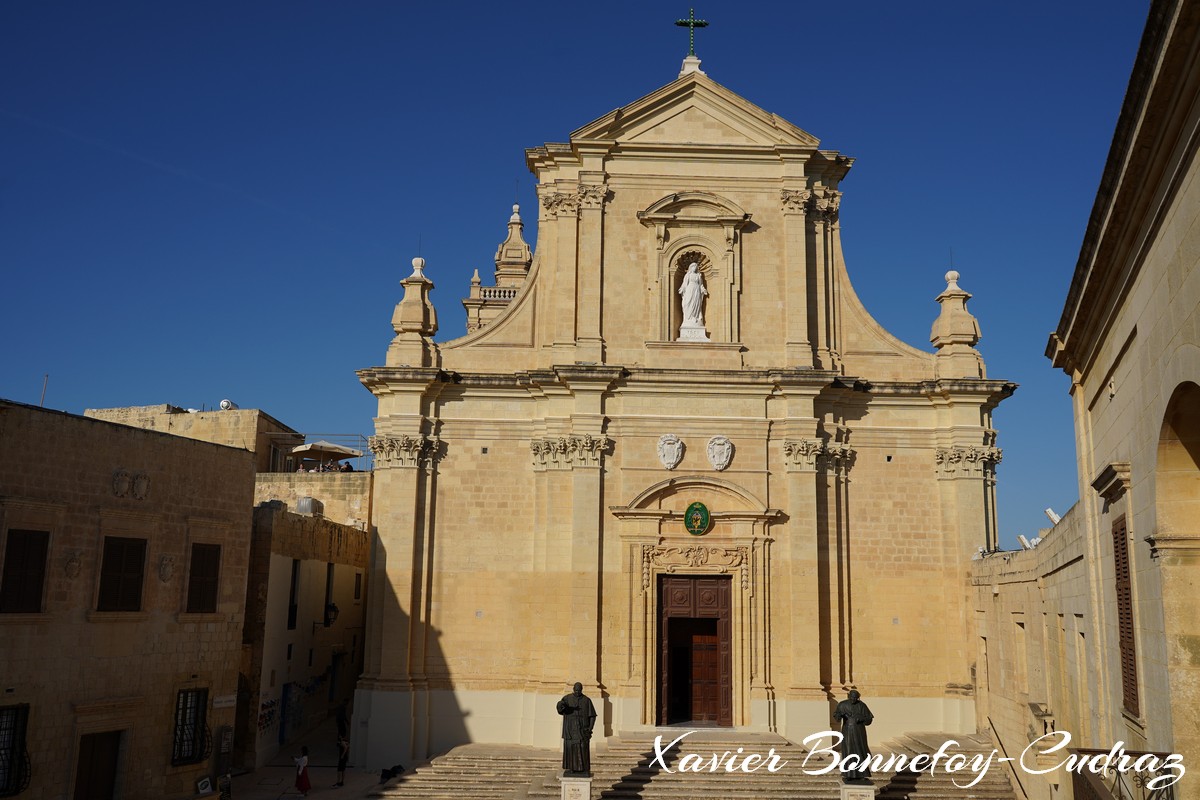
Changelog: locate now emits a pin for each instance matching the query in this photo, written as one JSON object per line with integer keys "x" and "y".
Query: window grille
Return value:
{"x": 15, "y": 766}
{"x": 193, "y": 742}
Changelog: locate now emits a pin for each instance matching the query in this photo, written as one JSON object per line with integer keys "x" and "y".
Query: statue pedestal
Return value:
{"x": 855, "y": 792}
{"x": 692, "y": 333}
{"x": 577, "y": 788}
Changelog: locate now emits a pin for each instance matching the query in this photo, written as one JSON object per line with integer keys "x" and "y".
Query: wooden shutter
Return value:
{"x": 24, "y": 572}
{"x": 204, "y": 578}
{"x": 121, "y": 574}
{"x": 1129, "y": 684}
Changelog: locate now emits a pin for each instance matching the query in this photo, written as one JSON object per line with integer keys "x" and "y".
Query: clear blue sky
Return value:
{"x": 201, "y": 200}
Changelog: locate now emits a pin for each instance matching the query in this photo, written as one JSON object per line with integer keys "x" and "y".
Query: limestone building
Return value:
{"x": 248, "y": 428}
{"x": 301, "y": 644}
{"x": 122, "y": 582}
{"x": 674, "y": 458}
{"x": 303, "y": 635}
{"x": 1096, "y": 632}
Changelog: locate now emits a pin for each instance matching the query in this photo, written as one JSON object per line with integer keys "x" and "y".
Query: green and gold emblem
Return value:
{"x": 696, "y": 519}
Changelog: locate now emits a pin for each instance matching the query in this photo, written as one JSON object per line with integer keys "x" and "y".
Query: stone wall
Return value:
{"x": 1040, "y": 658}
{"x": 248, "y": 428}
{"x": 85, "y": 671}
{"x": 345, "y": 496}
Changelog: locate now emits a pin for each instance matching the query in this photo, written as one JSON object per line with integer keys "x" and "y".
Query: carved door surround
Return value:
{"x": 738, "y": 545}
{"x": 709, "y": 226}
{"x": 683, "y": 601}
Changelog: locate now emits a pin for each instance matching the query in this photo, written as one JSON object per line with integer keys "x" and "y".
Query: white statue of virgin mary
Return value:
{"x": 693, "y": 293}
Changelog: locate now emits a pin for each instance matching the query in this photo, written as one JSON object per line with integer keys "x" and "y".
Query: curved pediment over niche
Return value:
{"x": 697, "y": 206}
{"x": 675, "y": 494}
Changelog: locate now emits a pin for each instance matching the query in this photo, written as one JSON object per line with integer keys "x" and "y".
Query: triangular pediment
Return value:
{"x": 691, "y": 125}
{"x": 695, "y": 110}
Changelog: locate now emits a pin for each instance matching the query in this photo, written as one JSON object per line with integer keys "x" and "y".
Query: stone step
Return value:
{"x": 626, "y": 768}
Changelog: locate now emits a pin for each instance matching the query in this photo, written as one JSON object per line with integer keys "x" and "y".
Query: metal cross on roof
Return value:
{"x": 691, "y": 23}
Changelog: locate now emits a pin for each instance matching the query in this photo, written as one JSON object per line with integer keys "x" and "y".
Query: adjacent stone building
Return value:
{"x": 674, "y": 458}
{"x": 305, "y": 603}
{"x": 248, "y": 428}
{"x": 1096, "y": 631}
{"x": 302, "y": 642}
{"x": 122, "y": 585}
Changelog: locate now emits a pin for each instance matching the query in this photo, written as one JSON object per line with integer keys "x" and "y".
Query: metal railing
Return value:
{"x": 1113, "y": 784}
{"x": 355, "y": 441}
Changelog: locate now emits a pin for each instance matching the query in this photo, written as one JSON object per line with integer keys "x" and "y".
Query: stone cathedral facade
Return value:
{"x": 729, "y": 528}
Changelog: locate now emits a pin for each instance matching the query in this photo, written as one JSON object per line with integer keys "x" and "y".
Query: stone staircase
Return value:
{"x": 626, "y": 768}
{"x": 905, "y": 785}
{"x": 475, "y": 772}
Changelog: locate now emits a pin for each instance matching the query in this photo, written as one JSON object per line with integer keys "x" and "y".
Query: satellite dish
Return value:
{"x": 228, "y": 405}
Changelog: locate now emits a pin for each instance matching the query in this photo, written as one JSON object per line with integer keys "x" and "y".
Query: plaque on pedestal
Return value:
{"x": 578, "y": 788}
{"x": 851, "y": 791}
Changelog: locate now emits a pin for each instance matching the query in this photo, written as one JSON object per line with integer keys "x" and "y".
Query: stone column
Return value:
{"x": 836, "y": 458}
{"x": 822, "y": 213}
{"x": 805, "y": 602}
{"x": 563, "y": 208}
{"x": 397, "y": 628}
{"x": 1178, "y": 556}
{"x": 798, "y": 349}
{"x": 590, "y": 272}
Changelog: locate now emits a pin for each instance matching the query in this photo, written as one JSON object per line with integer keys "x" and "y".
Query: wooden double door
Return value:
{"x": 96, "y": 772}
{"x": 695, "y": 664}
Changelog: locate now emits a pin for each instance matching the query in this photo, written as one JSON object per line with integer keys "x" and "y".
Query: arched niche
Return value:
{"x": 709, "y": 225}
{"x": 1177, "y": 468}
{"x": 1175, "y": 546}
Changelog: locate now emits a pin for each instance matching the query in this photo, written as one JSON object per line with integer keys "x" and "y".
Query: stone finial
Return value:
{"x": 514, "y": 255}
{"x": 415, "y": 313}
{"x": 955, "y": 334}
{"x": 415, "y": 322}
{"x": 691, "y": 64}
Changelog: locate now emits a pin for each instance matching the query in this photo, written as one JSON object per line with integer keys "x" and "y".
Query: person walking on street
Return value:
{"x": 343, "y": 745}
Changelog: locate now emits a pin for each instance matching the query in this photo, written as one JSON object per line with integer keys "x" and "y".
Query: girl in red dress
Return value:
{"x": 302, "y": 782}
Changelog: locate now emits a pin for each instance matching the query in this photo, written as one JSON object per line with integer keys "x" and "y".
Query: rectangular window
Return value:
{"x": 24, "y": 572}
{"x": 358, "y": 586}
{"x": 292, "y": 593}
{"x": 192, "y": 743}
{"x": 14, "y": 761}
{"x": 121, "y": 574}
{"x": 204, "y": 579}
{"x": 326, "y": 621}
{"x": 1129, "y": 682}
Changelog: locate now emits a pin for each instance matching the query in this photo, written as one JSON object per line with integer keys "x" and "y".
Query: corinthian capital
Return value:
{"x": 593, "y": 195}
{"x": 795, "y": 201}
{"x": 824, "y": 204}
{"x": 802, "y": 453}
{"x": 404, "y": 451}
{"x": 560, "y": 204}
{"x": 967, "y": 461}
{"x": 838, "y": 457}
{"x": 568, "y": 452}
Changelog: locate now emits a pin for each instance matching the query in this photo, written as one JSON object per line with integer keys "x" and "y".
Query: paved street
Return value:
{"x": 278, "y": 778}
